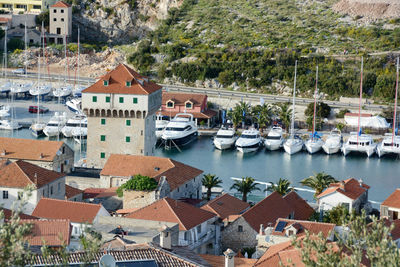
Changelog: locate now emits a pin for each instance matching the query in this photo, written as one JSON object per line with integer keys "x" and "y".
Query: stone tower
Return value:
{"x": 60, "y": 19}
{"x": 121, "y": 109}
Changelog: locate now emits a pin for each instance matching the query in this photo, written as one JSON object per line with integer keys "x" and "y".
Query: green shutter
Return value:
{"x": 107, "y": 99}
{"x": 105, "y": 83}
{"x": 102, "y": 155}
{"x": 121, "y": 100}
{"x": 94, "y": 98}
{"x": 135, "y": 100}
{"x": 128, "y": 139}
{"x": 102, "y": 138}
{"x": 128, "y": 122}
{"x": 128, "y": 83}
{"x": 103, "y": 121}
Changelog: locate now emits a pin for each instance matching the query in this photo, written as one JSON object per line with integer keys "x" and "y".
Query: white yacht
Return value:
{"x": 294, "y": 143}
{"x": 75, "y": 122}
{"x": 274, "y": 139}
{"x": 75, "y": 105}
{"x": 4, "y": 111}
{"x": 180, "y": 131}
{"x": 161, "y": 123}
{"x": 9, "y": 125}
{"x": 37, "y": 129}
{"x": 314, "y": 144}
{"x": 6, "y": 87}
{"x": 225, "y": 138}
{"x": 333, "y": 143}
{"x": 62, "y": 91}
{"x": 21, "y": 88}
{"x": 77, "y": 92}
{"x": 249, "y": 141}
{"x": 359, "y": 143}
{"x": 40, "y": 90}
{"x": 55, "y": 124}
{"x": 389, "y": 145}
{"x": 79, "y": 134}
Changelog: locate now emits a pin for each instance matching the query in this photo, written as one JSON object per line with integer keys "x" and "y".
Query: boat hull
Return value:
{"x": 37, "y": 133}
{"x": 292, "y": 148}
{"x": 248, "y": 148}
{"x": 385, "y": 150}
{"x": 331, "y": 149}
{"x": 313, "y": 147}
{"x": 223, "y": 145}
{"x": 273, "y": 145}
{"x": 370, "y": 150}
{"x": 181, "y": 141}
{"x": 51, "y": 132}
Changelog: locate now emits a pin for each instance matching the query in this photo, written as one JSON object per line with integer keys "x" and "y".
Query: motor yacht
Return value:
{"x": 4, "y": 111}
{"x": 55, "y": 124}
{"x": 314, "y": 144}
{"x": 6, "y": 87}
{"x": 77, "y": 92}
{"x": 181, "y": 130}
{"x": 9, "y": 125}
{"x": 75, "y": 105}
{"x": 79, "y": 134}
{"x": 75, "y": 122}
{"x": 333, "y": 143}
{"x": 274, "y": 139}
{"x": 249, "y": 141}
{"x": 21, "y": 88}
{"x": 62, "y": 91}
{"x": 389, "y": 145}
{"x": 359, "y": 143}
{"x": 225, "y": 138}
{"x": 37, "y": 129}
{"x": 40, "y": 90}
{"x": 161, "y": 123}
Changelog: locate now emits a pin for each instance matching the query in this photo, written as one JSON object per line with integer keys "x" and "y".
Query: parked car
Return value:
{"x": 19, "y": 71}
{"x": 34, "y": 109}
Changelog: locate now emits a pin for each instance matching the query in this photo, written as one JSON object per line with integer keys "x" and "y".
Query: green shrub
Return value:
{"x": 17, "y": 51}
{"x": 139, "y": 183}
{"x": 340, "y": 114}
{"x": 15, "y": 43}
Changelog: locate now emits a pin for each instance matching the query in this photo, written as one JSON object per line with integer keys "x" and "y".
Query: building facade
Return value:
{"x": 121, "y": 110}
{"x": 31, "y": 6}
{"x": 390, "y": 208}
{"x": 60, "y": 22}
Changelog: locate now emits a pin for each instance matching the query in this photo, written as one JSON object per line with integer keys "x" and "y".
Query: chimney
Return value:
{"x": 229, "y": 258}
{"x": 3, "y": 153}
{"x": 342, "y": 185}
{"x": 41, "y": 155}
{"x": 165, "y": 238}
{"x": 361, "y": 182}
{"x": 261, "y": 229}
{"x": 36, "y": 182}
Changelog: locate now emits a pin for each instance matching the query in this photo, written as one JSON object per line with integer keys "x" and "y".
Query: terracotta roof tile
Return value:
{"x": 218, "y": 261}
{"x": 50, "y": 232}
{"x": 197, "y": 115}
{"x": 270, "y": 257}
{"x": 20, "y": 174}
{"x": 170, "y": 210}
{"x": 77, "y": 212}
{"x": 176, "y": 173}
{"x": 8, "y": 213}
{"x": 72, "y": 191}
{"x": 181, "y": 98}
{"x": 302, "y": 211}
{"x": 61, "y": 4}
{"x": 302, "y": 226}
{"x": 226, "y": 205}
{"x": 117, "y": 83}
{"x": 28, "y": 149}
{"x": 350, "y": 188}
{"x": 393, "y": 200}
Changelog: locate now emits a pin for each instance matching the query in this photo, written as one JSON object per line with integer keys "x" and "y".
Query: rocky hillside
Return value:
{"x": 369, "y": 9}
{"x": 119, "y": 21}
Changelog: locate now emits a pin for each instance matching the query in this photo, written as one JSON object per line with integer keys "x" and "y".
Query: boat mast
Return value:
{"x": 38, "y": 87}
{"x": 359, "y": 104}
{"x": 26, "y": 53}
{"x": 78, "y": 54}
{"x": 294, "y": 101}
{"x": 5, "y": 53}
{"x": 315, "y": 103}
{"x": 395, "y": 102}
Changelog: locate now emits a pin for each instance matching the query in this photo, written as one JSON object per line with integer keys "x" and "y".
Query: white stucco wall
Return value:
{"x": 332, "y": 200}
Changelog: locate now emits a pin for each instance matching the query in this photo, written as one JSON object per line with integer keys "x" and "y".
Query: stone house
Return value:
{"x": 350, "y": 193}
{"x": 52, "y": 155}
{"x": 15, "y": 177}
{"x": 242, "y": 232}
{"x": 195, "y": 104}
{"x": 60, "y": 22}
{"x": 390, "y": 208}
{"x": 73, "y": 194}
{"x": 80, "y": 214}
{"x": 199, "y": 229}
{"x": 175, "y": 180}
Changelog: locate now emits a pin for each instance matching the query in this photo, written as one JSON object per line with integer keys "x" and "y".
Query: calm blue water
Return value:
{"x": 383, "y": 175}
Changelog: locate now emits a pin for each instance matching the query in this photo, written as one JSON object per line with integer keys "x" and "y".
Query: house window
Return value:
{"x": 240, "y": 228}
{"x": 121, "y": 100}
{"x": 102, "y": 155}
{"x": 128, "y": 122}
{"x": 198, "y": 229}
{"x": 102, "y": 138}
{"x": 108, "y": 99}
{"x": 58, "y": 30}
{"x": 135, "y": 100}
{"x": 128, "y": 83}
{"x": 105, "y": 82}
{"x": 141, "y": 132}
{"x": 170, "y": 104}
{"x": 94, "y": 98}
{"x": 55, "y": 19}
{"x": 128, "y": 139}
{"x": 103, "y": 121}
{"x": 59, "y": 187}
{"x": 54, "y": 10}
{"x": 20, "y": 195}
{"x": 188, "y": 105}
{"x": 5, "y": 194}
{"x": 51, "y": 190}
{"x": 63, "y": 150}
{"x": 62, "y": 10}
{"x": 290, "y": 232}
{"x": 62, "y": 19}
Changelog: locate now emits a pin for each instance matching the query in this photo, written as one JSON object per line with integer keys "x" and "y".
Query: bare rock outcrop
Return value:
{"x": 369, "y": 9}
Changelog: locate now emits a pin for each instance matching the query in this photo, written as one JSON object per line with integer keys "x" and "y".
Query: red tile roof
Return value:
{"x": 61, "y": 4}
{"x": 271, "y": 257}
{"x": 21, "y": 174}
{"x": 140, "y": 85}
{"x": 303, "y": 226}
{"x": 77, "y": 212}
{"x": 176, "y": 173}
{"x": 393, "y": 200}
{"x": 197, "y": 115}
{"x": 28, "y": 149}
{"x": 170, "y": 210}
{"x": 181, "y": 98}
{"x": 49, "y": 232}
{"x": 356, "y": 115}
{"x": 8, "y": 213}
{"x": 226, "y": 205}
{"x": 350, "y": 188}
{"x": 268, "y": 210}
{"x": 72, "y": 191}
{"x": 219, "y": 261}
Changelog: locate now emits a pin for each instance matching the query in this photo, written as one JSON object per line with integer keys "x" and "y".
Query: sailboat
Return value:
{"x": 65, "y": 89}
{"x": 77, "y": 91}
{"x": 315, "y": 143}
{"x": 6, "y": 87}
{"x": 23, "y": 88}
{"x": 391, "y": 142}
{"x": 358, "y": 141}
{"x": 294, "y": 143}
{"x": 37, "y": 128}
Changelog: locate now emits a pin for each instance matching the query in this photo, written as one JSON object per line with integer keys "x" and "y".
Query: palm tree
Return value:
{"x": 285, "y": 114}
{"x": 209, "y": 181}
{"x": 282, "y": 187}
{"x": 236, "y": 116}
{"x": 245, "y": 186}
{"x": 318, "y": 182}
{"x": 263, "y": 115}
